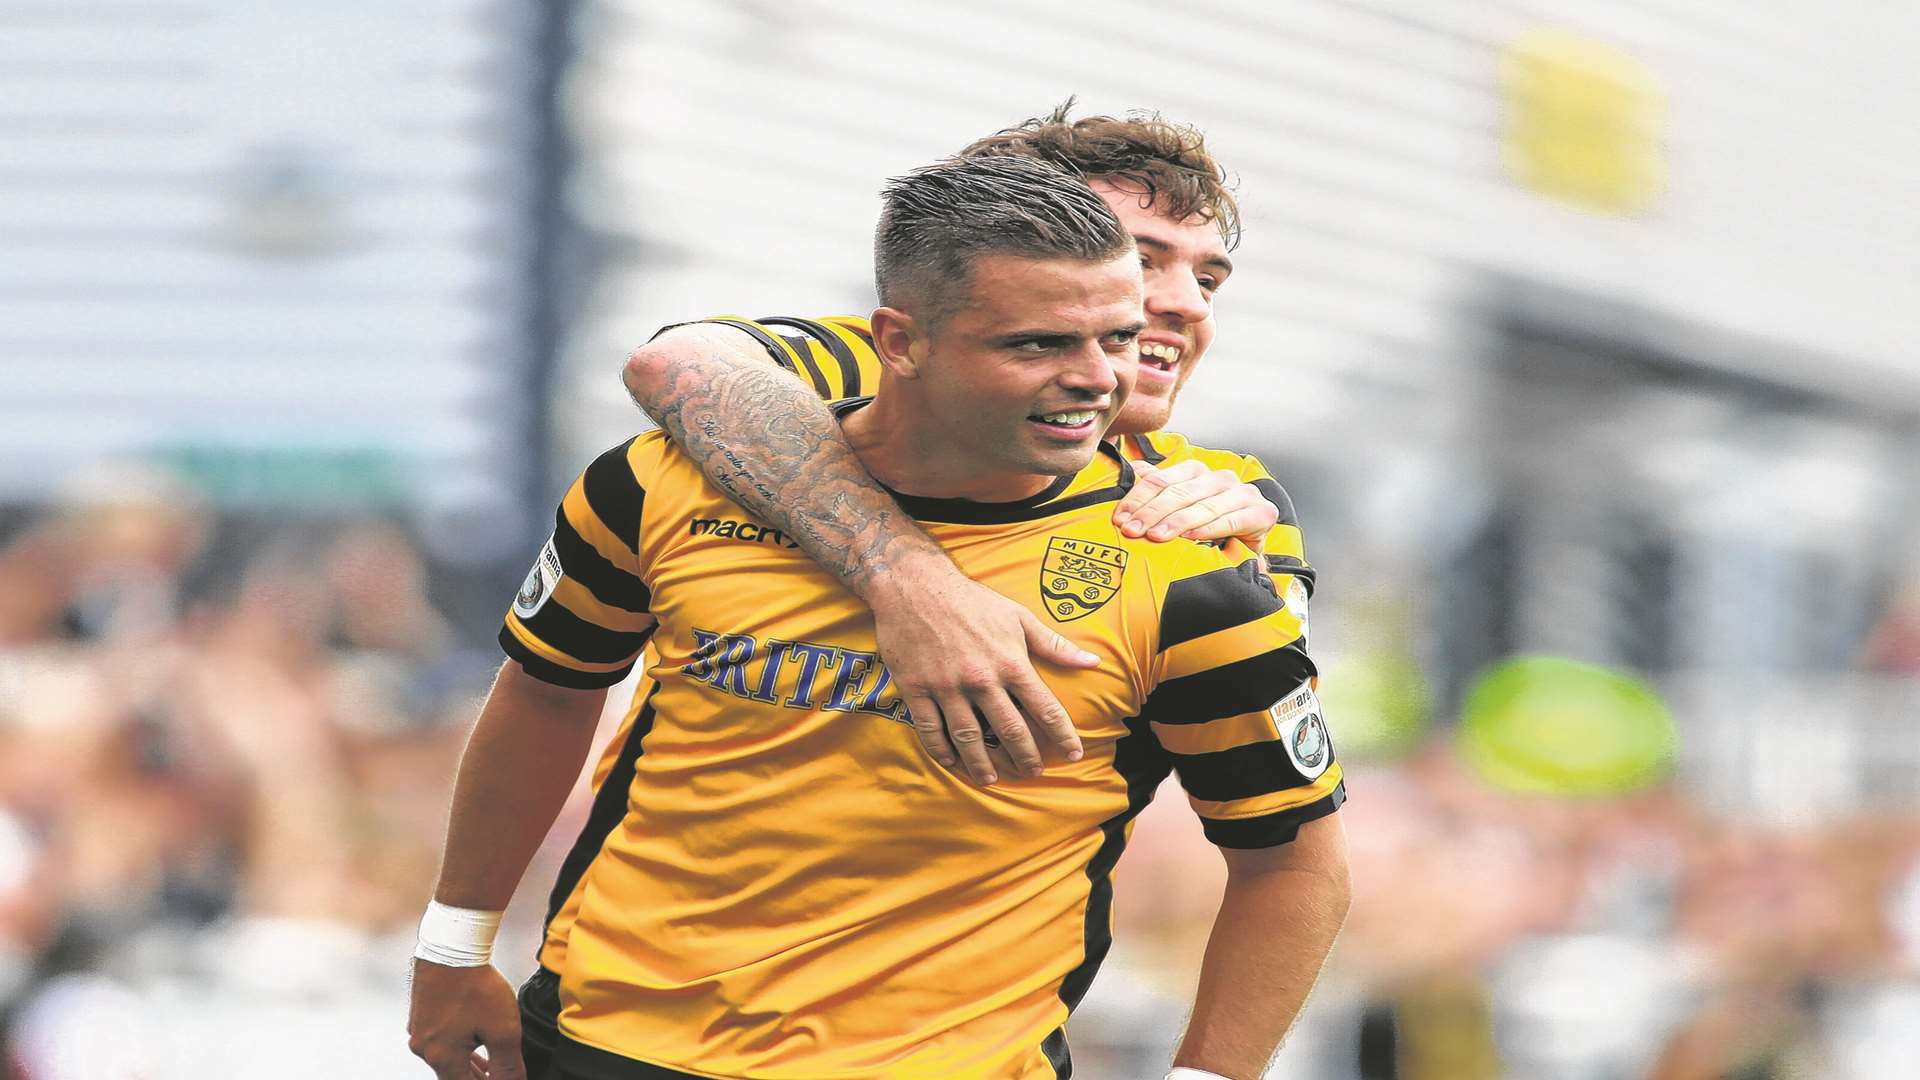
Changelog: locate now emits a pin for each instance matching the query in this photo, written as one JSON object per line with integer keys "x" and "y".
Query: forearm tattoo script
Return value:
{"x": 776, "y": 449}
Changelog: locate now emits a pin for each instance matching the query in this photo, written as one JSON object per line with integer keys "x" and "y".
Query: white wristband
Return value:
{"x": 1184, "y": 1073}
{"x": 456, "y": 937}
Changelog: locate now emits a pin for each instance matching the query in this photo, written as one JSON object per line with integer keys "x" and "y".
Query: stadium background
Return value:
{"x": 1584, "y": 330}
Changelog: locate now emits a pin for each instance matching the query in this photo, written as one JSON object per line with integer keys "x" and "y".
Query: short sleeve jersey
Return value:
{"x": 777, "y": 881}
{"x": 834, "y": 354}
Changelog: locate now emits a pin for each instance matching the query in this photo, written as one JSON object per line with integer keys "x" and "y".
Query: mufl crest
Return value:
{"x": 1077, "y": 577}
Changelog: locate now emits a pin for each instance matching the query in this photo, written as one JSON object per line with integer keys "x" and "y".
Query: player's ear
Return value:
{"x": 899, "y": 341}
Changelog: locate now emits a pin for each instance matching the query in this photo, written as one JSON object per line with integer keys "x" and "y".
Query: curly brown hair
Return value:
{"x": 1165, "y": 162}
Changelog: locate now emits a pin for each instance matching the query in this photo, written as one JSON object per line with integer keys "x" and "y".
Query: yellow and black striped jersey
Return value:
{"x": 831, "y": 353}
{"x": 1284, "y": 548}
{"x": 777, "y": 882}
{"x": 844, "y": 364}
{"x": 834, "y": 355}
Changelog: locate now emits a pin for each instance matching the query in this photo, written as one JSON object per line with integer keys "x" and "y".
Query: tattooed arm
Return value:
{"x": 956, "y": 649}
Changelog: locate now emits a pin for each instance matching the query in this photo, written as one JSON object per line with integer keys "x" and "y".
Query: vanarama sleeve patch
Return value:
{"x": 541, "y": 581}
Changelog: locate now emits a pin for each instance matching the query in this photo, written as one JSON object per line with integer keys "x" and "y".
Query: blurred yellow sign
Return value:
{"x": 1583, "y": 122}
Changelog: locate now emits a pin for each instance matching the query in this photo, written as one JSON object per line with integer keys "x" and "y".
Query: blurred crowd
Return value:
{"x": 1498, "y": 935}
{"x": 225, "y": 751}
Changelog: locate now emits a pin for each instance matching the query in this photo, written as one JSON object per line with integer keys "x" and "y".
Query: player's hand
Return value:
{"x": 960, "y": 653}
{"x": 456, "y": 1012}
{"x": 1188, "y": 499}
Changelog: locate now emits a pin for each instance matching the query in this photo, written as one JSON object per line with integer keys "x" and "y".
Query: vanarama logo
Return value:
{"x": 1303, "y": 731}
{"x": 746, "y": 531}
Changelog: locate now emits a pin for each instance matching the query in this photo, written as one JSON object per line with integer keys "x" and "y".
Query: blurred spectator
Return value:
{"x": 379, "y": 590}
{"x": 110, "y": 562}
{"x": 233, "y": 781}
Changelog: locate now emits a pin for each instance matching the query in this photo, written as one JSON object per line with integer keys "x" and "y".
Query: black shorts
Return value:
{"x": 552, "y": 1056}
{"x": 540, "y": 1023}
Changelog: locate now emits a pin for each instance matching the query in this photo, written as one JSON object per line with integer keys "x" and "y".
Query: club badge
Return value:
{"x": 1078, "y": 577}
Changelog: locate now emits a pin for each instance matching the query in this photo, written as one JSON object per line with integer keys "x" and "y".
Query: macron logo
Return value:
{"x": 745, "y": 531}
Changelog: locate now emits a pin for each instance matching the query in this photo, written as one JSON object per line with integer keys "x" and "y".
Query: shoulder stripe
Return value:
{"x": 803, "y": 347}
{"x": 1271, "y": 491}
{"x": 776, "y": 351}
{"x": 584, "y": 563}
{"x": 1248, "y": 468}
{"x": 1243, "y": 686}
{"x": 798, "y": 361}
{"x": 836, "y": 347}
{"x": 1145, "y": 450}
{"x": 1191, "y": 739}
{"x": 797, "y": 345}
{"x": 855, "y": 325}
{"x": 1272, "y": 801}
{"x": 819, "y": 378}
{"x": 1272, "y": 830}
{"x": 1234, "y": 643}
{"x": 1288, "y": 566}
{"x": 548, "y": 653}
{"x": 1211, "y": 602}
{"x": 581, "y": 601}
{"x": 1257, "y": 768}
{"x": 575, "y": 637}
{"x": 1284, "y": 539}
{"x": 549, "y": 672}
{"x": 615, "y": 495}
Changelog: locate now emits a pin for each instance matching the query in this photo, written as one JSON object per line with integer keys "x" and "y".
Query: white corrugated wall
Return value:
{"x": 261, "y": 234}
{"x": 733, "y": 149}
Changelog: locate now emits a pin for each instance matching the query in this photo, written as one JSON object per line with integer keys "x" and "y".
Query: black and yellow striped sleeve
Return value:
{"x": 841, "y": 348}
{"x": 1234, "y": 706}
{"x": 1284, "y": 547}
{"x": 581, "y": 618}
{"x": 833, "y": 354}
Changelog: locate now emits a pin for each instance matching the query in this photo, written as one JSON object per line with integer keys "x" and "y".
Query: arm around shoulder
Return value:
{"x": 687, "y": 353}
{"x": 953, "y": 647}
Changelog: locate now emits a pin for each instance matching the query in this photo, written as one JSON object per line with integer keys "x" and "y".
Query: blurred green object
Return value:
{"x": 1553, "y": 726}
{"x": 317, "y": 478}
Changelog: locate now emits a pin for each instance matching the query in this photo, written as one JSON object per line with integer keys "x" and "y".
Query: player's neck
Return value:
{"x": 907, "y": 454}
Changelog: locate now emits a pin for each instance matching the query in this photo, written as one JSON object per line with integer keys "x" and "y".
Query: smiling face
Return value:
{"x": 1184, "y": 263}
{"x": 1025, "y": 378}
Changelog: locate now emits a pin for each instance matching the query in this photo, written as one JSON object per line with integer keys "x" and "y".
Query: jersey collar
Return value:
{"x": 1045, "y": 503}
